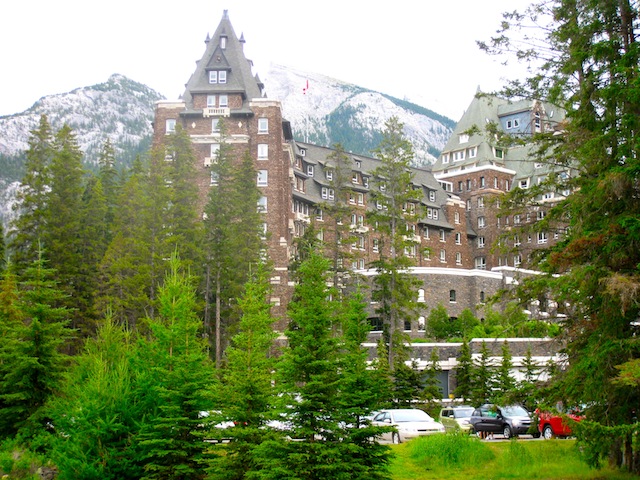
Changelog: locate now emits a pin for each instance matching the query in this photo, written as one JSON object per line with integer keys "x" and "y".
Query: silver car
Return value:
{"x": 408, "y": 422}
{"x": 456, "y": 418}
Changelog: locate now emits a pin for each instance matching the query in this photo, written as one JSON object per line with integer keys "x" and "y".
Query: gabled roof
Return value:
{"x": 231, "y": 58}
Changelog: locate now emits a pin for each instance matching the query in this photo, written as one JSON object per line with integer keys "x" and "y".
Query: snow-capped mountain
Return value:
{"x": 321, "y": 110}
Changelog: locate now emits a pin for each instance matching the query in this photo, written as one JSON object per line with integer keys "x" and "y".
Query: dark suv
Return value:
{"x": 509, "y": 420}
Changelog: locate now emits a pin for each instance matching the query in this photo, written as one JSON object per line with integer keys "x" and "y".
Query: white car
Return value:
{"x": 409, "y": 423}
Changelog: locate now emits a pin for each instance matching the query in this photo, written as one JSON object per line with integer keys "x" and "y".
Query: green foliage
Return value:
{"x": 31, "y": 363}
{"x": 464, "y": 373}
{"x": 176, "y": 385}
{"x": 96, "y": 414}
{"x": 432, "y": 391}
{"x": 483, "y": 378}
{"x": 246, "y": 392}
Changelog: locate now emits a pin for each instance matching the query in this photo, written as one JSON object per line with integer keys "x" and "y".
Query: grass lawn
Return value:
{"x": 459, "y": 457}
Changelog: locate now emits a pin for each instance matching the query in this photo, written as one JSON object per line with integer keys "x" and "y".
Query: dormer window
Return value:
{"x": 463, "y": 138}
{"x": 213, "y": 76}
{"x": 358, "y": 164}
{"x": 328, "y": 174}
{"x": 222, "y": 76}
{"x": 303, "y": 152}
{"x": 223, "y": 42}
{"x": 310, "y": 170}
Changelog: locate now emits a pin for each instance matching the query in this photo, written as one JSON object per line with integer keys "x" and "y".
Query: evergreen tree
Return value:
{"x": 394, "y": 289}
{"x": 439, "y": 325}
{"x": 464, "y": 373}
{"x": 27, "y": 229}
{"x": 125, "y": 270}
{"x": 338, "y": 227}
{"x": 233, "y": 239}
{"x": 432, "y": 392}
{"x": 589, "y": 65}
{"x": 63, "y": 236}
{"x": 311, "y": 378}
{"x": 109, "y": 178}
{"x": 247, "y": 391}
{"x": 505, "y": 384}
{"x": 96, "y": 413}
{"x": 31, "y": 362}
{"x": 3, "y": 250}
{"x": 177, "y": 384}
{"x": 407, "y": 384}
{"x": 482, "y": 382}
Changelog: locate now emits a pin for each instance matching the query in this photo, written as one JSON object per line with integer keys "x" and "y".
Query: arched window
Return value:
{"x": 421, "y": 294}
{"x": 452, "y": 296}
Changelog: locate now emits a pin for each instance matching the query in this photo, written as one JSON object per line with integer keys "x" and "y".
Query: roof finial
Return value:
{"x": 242, "y": 40}
{"x": 225, "y": 14}
{"x": 206, "y": 40}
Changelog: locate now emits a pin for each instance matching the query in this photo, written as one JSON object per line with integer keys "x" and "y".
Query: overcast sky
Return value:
{"x": 423, "y": 50}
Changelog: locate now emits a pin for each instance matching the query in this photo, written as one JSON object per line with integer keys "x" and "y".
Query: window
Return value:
{"x": 222, "y": 76}
{"x": 524, "y": 183}
{"x": 262, "y": 204}
{"x": 482, "y": 184}
{"x": 480, "y": 202}
{"x": 468, "y": 204}
{"x": 482, "y": 296}
{"x": 376, "y": 245}
{"x": 542, "y": 237}
{"x": 358, "y": 164}
{"x": 481, "y": 263}
{"x": 365, "y": 181}
{"x": 541, "y": 214}
{"x": 223, "y": 42}
{"x": 310, "y": 170}
{"x": 214, "y": 152}
{"x": 480, "y": 242}
{"x": 319, "y": 215}
{"x": 170, "y": 125}
{"x": 215, "y": 125}
{"x": 211, "y": 101}
{"x": 473, "y": 152}
{"x": 213, "y": 76}
{"x": 481, "y": 223}
{"x": 425, "y": 233}
{"x": 410, "y": 251}
{"x": 517, "y": 260}
{"x": 445, "y": 158}
{"x": 263, "y": 125}
{"x": 499, "y": 153}
{"x": 443, "y": 255}
{"x": 460, "y": 186}
{"x": 360, "y": 198}
{"x": 516, "y": 241}
{"x": 443, "y": 237}
{"x": 325, "y": 193}
{"x": 432, "y": 196}
{"x": 456, "y": 217}
{"x": 263, "y": 151}
{"x": 452, "y": 296}
{"x": 459, "y": 155}
{"x": 214, "y": 178}
{"x": 328, "y": 174}
{"x": 468, "y": 184}
{"x": 516, "y": 219}
{"x": 421, "y": 323}
{"x": 223, "y": 101}
{"x": 421, "y": 295}
{"x": 262, "y": 178}
{"x": 458, "y": 238}
{"x": 354, "y": 178}
{"x": 458, "y": 258}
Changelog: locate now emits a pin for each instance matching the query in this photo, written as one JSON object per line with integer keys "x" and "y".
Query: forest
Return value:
{"x": 137, "y": 331}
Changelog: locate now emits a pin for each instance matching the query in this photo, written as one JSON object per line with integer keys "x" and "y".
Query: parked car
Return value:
{"x": 456, "y": 418}
{"x": 556, "y": 424}
{"x": 508, "y": 420}
{"x": 409, "y": 423}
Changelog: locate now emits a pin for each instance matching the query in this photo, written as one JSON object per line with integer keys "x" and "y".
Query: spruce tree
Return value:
{"x": 176, "y": 383}
{"x": 432, "y": 392}
{"x": 63, "y": 235}
{"x": 28, "y": 227}
{"x": 394, "y": 290}
{"x": 247, "y": 391}
{"x": 483, "y": 380}
{"x": 504, "y": 382}
{"x": 3, "y": 249}
{"x": 96, "y": 413}
{"x": 31, "y": 362}
{"x": 464, "y": 373}
{"x": 109, "y": 178}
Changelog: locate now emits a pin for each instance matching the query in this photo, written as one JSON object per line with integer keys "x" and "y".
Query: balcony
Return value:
{"x": 216, "y": 112}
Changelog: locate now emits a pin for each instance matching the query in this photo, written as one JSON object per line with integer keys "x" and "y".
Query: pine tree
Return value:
{"x": 109, "y": 178}
{"x": 247, "y": 391}
{"x": 588, "y": 64}
{"x": 394, "y": 289}
{"x": 482, "y": 382}
{"x": 27, "y": 229}
{"x": 233, "y": 239}
{"x": 464, "y": 373}
{"x": 505, "y": 384}
{"x": 31, "y": 362}
{"x": 432, "y": 392}
{"x": 311, "y": 379}
{"x": 178, "y": 383}
{"x": 63, "y": 235}
{"x": 96, "y": 413}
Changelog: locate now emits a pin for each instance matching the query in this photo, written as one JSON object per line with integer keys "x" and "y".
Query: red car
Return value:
{"x": 552, "y": 425}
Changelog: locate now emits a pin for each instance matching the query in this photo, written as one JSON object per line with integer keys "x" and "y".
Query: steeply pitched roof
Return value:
{"x": 230, "y": 58}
